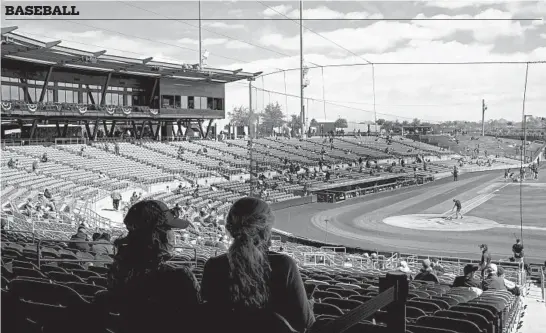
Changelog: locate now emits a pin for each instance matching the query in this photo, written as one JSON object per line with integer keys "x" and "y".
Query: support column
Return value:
{"x": 112, "y": 128}
{"x": 33, "y": 128}
{"x": 96, "y": 129}
{"x": 200, "y": 128}
{"x": 45, "y": 85}
{"x": 135, "y": 130}
{"x": 156, "y": 82}
{"x": 104, "y": 89}
{"x": 158, "y": 130}
{"x": 87, "y": 128}
{"x": 59, "y": 134}
{"x": 209, "y": 127}
{"x": 65, "y": 129}
{"x": 106, "y": 131}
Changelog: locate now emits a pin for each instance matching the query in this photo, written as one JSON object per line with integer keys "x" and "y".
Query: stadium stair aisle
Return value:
{"x": 534, "y": 320}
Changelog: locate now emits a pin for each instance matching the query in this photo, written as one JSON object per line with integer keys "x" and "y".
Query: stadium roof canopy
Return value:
{"x": 22, "y": 48}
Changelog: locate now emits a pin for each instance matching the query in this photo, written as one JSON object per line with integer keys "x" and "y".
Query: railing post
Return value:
{"x": 397, "y": 309}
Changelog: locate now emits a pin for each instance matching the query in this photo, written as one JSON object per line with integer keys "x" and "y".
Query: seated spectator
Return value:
{"x": 510, "y": 286}
{"x": 467, "y": 280}
{"x": 438, "y": 269}
{"x": 492, "y": 281}
{"x": 96, "y": 236}
{"x": 151, "y": 294}
{"x": 427, "y": 273}
{"x": 103, "y": 245}
{"x": 403, "y": 267}
{"x": 80, "y": 239}
{"x": 177, "y": 210}
{"x": 250, "y": 277}
{"x": 47, "y": 194}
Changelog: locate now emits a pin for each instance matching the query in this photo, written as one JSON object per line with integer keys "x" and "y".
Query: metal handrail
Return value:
{"x": 543, "y": 283}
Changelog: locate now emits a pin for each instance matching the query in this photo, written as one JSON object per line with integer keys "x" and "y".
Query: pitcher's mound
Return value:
{"x": 435, "y": 222}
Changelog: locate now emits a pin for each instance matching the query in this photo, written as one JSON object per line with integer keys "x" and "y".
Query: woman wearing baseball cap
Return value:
{"x": 150, "y": 293}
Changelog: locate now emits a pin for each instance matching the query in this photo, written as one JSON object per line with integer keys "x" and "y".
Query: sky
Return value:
{"x": 265, "y": 36}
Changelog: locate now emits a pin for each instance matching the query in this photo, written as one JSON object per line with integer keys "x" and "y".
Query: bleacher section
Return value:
{"x": 79, "y": 174}
{"x": 335, "y": 289}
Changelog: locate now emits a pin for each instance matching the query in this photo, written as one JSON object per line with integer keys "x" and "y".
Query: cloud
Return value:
{"x": 235, "y": 12}
{"x": 482, "y": 30}
{"x": 222, "y": 25}
{"x": 235, "y": 44}
{"x": 318, "y": 13}
{"x": 206, "y": 41}
{"x": 383, "y": 35}
{"x": 458, "y": 4}
{"x": 428, "y": 92}
{"x": 275, "y": 10}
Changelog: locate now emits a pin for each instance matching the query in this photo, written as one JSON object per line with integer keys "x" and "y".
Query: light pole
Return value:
{"x": 251, "y": 135}
{"x": 525, "y": 135}
{"x": 200, "y": 44}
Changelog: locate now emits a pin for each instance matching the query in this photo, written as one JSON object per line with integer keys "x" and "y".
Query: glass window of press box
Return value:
{"x": 192, "y": 102}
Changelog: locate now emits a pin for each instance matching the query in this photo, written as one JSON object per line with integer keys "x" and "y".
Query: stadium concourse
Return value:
{"x": 50, "y": 191}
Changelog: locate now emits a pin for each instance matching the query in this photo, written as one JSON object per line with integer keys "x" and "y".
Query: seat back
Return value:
{"x": 477, "y": 319}
{"x": 414, "y": 313}
{"x": 327, "y": 309}
{"x": 441, "y": 303}
{"x": 63, "y": 277}
{"x": 343, "y": 304}
{"x": 424, "y": 329}
{"x": 325, "y": 294}
{"x": 345, "y": 293}
{"x": 425, "y": 306}
{"x": 457, "y": 325}
{"x": 19, "y": 272}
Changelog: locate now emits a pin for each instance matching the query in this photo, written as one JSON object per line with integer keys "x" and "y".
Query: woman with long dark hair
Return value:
{"x": 251, "y": 278}
{"x": 151, "y": 294}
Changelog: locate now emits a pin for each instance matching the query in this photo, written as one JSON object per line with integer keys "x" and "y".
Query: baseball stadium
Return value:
{"x": 381, "y": 224}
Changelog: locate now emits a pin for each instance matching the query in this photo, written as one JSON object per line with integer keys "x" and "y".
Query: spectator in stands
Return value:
{"x": 11, "y": 163}
{"x": 134, "y": 199}
{"x": 467, "y": 280}
{"x": 486, "y": 258}
{"x": 116, "y": 148}
{"x": 116, "y": 198}
{"x": 517, "y": 250}
{"x": 96, "y": 236}
{"x": 103, "y": 246}
{"x": 44, "y": 158}
{"x": 438, "y": 269}
{"x": 427, "y": 273}
{"x": 177, "y": 210}
{"x": 34, "y": 165}
{"x": 80, "y": 240}
{"x": 47, "y": 194}
{"x": 250, "y": 277}
{"x": 151, "y": 294}
{"x": 403, "y": 267}
{"x": 510, "y": 286}
{"x": 492, "y": 280}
